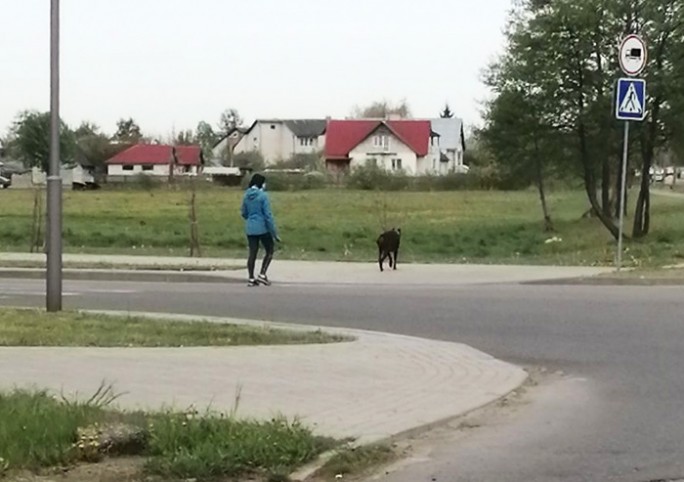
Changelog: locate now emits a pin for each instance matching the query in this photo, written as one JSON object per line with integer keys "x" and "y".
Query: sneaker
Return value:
{"x": 252, "y": 282}
{"x": 263, "y": 279}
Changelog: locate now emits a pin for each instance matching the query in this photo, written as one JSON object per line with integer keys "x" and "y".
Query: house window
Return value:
{"x": 434, "y": 164}
{"x": 372, "y": 162}
{"x": 396, "y": 164}
{"x": 307, "y": 141}
{"x": 381, "y": 142}
{"x": 128, "y": 168}
{"x": 147, "y": 167}
{"x": 272, "y": 126}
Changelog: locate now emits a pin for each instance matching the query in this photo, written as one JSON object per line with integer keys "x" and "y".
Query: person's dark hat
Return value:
{"x": 257, "y": 180}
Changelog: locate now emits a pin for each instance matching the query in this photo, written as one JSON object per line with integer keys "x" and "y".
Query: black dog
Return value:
{"x": 388, "y": 247}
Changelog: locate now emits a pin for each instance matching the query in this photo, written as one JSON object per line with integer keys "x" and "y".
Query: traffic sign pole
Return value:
{"x": 630, "y": 105}
{"x": 623, "y": 196}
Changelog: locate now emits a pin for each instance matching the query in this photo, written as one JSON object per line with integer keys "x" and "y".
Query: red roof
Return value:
{"x": 158, "y": 154}
{"x": 342, "y": 136}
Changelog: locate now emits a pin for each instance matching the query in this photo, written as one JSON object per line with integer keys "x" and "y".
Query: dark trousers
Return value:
{"x": 253, "y": 241}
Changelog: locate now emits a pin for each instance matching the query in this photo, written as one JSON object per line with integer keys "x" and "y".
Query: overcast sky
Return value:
{"x": 171, "y": 63}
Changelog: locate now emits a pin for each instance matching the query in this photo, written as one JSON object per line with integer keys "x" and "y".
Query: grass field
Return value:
{"x": 39, "y": 328}
{"x": 462, "y": 226}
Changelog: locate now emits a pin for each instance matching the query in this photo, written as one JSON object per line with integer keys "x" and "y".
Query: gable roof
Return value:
{"x": 344, "y": 135}
{"x": 306, "y": 127}
{"x": 241, "y": 130}
{"x": 299, "y": 127}
{"x": 158, "y": 154}
{"x": 450, "y": 133}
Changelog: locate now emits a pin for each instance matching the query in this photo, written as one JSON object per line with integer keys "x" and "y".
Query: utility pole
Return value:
{"x": 54, "y": 180}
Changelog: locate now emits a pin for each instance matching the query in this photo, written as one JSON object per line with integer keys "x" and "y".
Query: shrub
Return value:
{"x": 250, "y": 160}
{"x": 372, "y": 177}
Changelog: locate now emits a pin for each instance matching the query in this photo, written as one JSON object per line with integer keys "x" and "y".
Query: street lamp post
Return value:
{"x": 54, "y": 180}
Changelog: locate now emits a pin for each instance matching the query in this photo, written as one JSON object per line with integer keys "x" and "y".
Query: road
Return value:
{"x": 618, "y": 414}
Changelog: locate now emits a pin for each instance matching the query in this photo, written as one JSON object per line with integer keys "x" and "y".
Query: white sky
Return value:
{"x": 171, "y": 63}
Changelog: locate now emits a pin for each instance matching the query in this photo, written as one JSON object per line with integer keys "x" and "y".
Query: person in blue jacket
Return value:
{"x": 259, "y": 226}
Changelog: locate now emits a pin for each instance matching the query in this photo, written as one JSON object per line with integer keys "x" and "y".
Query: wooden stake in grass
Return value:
{"x": 195, "y": 248}
{"x": 36, "y": 233}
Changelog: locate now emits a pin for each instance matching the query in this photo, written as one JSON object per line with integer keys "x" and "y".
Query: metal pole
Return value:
{"x": 54, "y": 181}
{"x": 623, "y": 194}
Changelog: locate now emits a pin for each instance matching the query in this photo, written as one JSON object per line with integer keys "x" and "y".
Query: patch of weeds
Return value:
{"x": 211, "y": 446}
{"x": 40, "y": 430}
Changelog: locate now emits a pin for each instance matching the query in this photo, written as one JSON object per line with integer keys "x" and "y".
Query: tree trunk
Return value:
{"x": 590, "y": 185}
{"x": 548, "y": 223}
{"x": 642, "y": 215}
{"x": 618, "y": 190}
{"x": 589, "y": 173}
{"x": 605, "y": 187}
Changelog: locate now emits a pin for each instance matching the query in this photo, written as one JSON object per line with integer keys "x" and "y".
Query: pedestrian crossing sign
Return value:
{"x": 630, "y": 104}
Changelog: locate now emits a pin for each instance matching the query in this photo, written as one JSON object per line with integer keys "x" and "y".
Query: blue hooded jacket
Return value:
{"x": 256, "y": 210}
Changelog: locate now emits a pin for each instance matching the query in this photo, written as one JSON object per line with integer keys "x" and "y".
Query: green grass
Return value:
{"x": 461, "y": 226}
{"x": 39, "y": 328}
{"x": 211, "y": 447}
{"x": 38, "y": 431}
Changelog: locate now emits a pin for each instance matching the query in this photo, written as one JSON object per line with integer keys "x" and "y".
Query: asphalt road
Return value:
{"x": 617, "y": 415}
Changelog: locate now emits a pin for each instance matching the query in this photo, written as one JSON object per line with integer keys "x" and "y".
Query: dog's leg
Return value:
{"x": 396, "y": 257}
{"x": 391, "y": 260}
{"x": 381, "y": 259}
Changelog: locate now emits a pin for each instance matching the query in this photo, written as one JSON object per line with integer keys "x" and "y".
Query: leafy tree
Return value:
{"x": 128, "y": 131}
{"x": 518, "y": 138}
{"x": 383, "y": 110}
{"x": 206, "y": 138}
{"x": 230, "y": 119}
{"x": 184, "y": 138}
{"x": 446, "y": 113}
{"x": 29, "y": 140}
{"x": 94, "y": 145}
{"x": 563, "y": 54}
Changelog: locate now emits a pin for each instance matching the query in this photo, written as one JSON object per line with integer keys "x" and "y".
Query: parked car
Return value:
{"x": 5, "y": 181}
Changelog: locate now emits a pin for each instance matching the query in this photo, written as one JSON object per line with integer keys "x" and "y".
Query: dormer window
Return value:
{"x": 381, "y": 142}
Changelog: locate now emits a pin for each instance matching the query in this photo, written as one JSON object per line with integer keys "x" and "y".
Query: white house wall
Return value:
{"x": 397, "y": 150}
{"x": 276, "y": 142}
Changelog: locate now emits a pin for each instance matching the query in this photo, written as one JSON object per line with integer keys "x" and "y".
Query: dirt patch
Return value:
{"x": 109, "y": 470}
{"x": 128, "y": 469}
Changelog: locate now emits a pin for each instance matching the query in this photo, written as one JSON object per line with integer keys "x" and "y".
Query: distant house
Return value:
{"x": 280, "y": 139}
{"x": 155, "y": 160}
{"x": 449, "y": 140}
{"x": 225, "y": 146}
{"x": 389, "y": 144}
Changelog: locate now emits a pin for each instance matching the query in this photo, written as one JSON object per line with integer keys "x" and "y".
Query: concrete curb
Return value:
{"x": 610, "y": 281}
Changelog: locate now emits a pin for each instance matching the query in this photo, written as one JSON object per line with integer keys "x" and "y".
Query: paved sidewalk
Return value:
{"x": 286, "y": 271}
{"x": 375, "y": 387}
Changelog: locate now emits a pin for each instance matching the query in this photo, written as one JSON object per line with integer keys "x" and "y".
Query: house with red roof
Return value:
{"x": 394, "y": 145}
{"x": 155, "y": 160}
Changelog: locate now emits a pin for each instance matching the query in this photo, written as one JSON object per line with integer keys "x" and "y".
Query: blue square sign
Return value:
{"x": 630, "y": 102}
